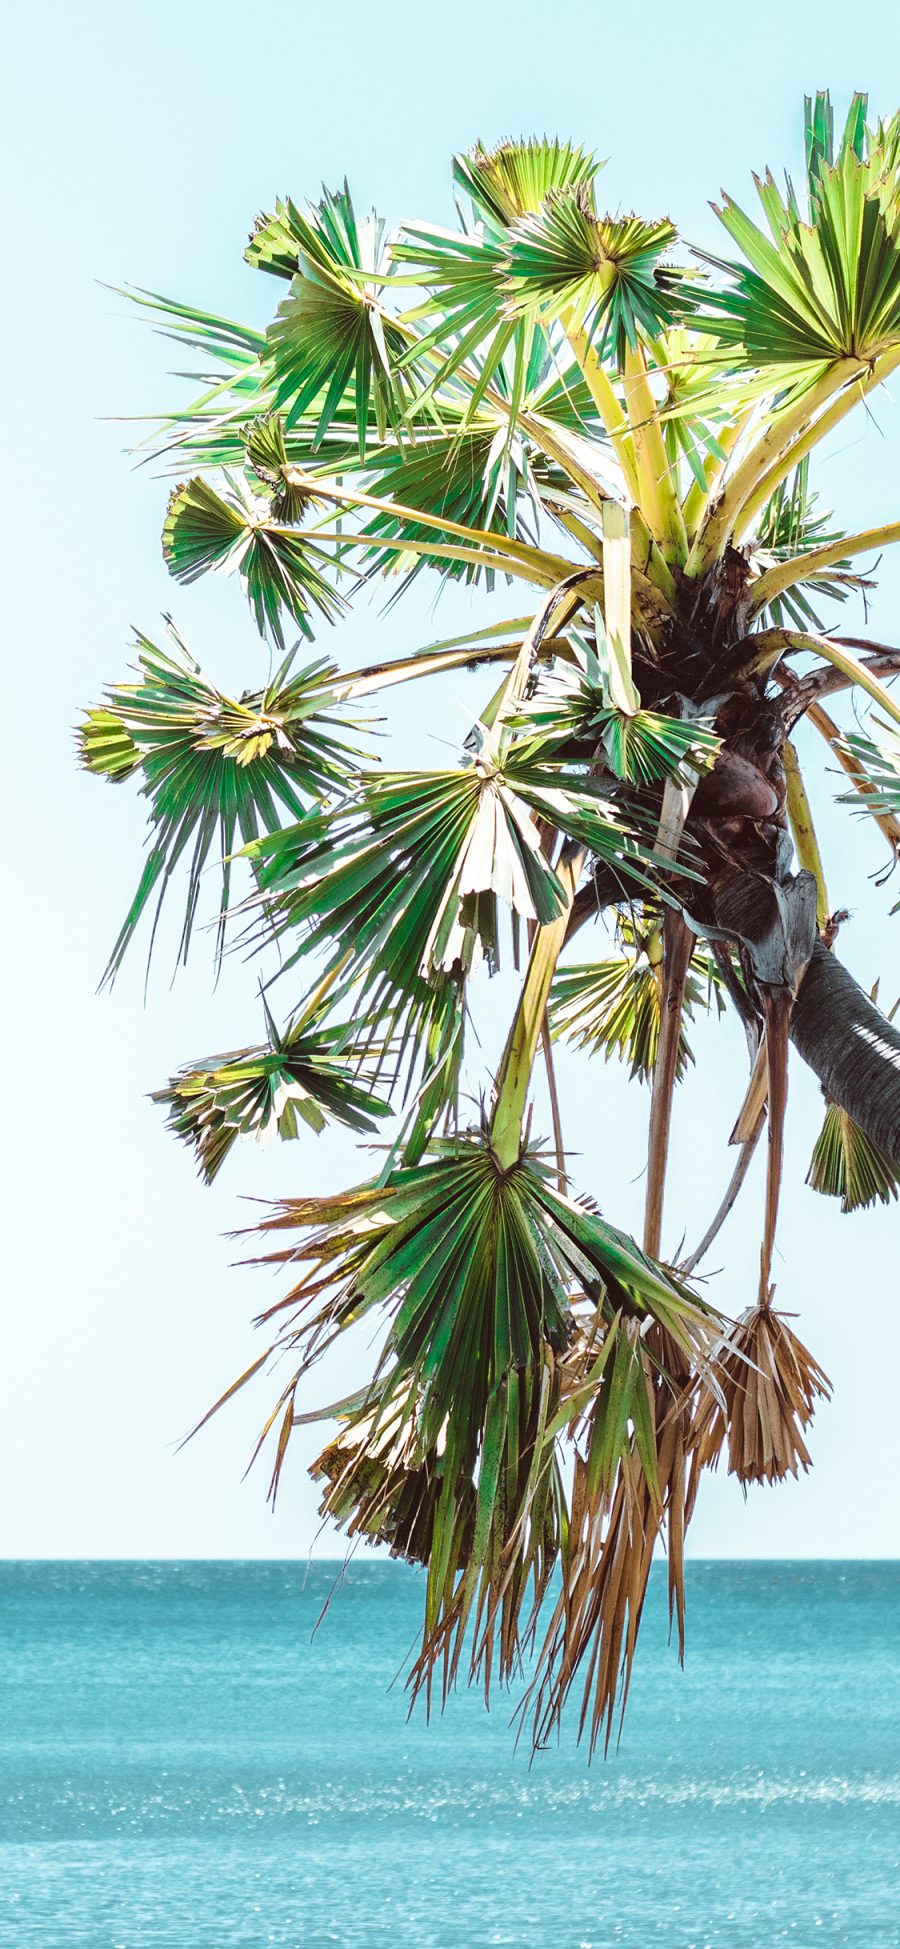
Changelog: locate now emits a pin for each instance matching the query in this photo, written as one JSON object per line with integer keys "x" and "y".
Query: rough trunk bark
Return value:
{"x": 852, "y": 1048}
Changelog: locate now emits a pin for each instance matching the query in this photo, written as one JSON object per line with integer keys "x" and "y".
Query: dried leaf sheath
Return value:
{"x": 769, "y": 1384}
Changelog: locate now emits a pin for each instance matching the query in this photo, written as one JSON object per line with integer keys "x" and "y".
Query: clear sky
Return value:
{"x": 142, "y": 142}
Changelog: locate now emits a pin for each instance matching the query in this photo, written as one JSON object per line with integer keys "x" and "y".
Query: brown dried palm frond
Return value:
{"x": 504, "y": 1541}
{"x": 629, "y": 1491}
{"x": 382, "y": 1486}
{"x": 769, "y": 1384}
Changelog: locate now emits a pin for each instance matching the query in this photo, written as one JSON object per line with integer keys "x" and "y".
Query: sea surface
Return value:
{"x": 183, "y": 1766}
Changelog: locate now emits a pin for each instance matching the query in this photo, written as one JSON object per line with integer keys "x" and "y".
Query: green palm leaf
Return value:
{"x": 820, "y": 287}
{"x": 613, "y": 1007}
{"x": 507, "y": 182}
{"x": 846, "y": 1164}
{"x": 478, "y": 477}
{"x": 410, "y": 871}
{"x": 878, "y": 768}
{"x": 464, "y": 273}
{"x": 330, "y": 341}
{"x": 306, "y": 1074}
{"x": 216, "y": 770}
{"x": 607, "y": 273}
{"x": 591, "y": 704}
{"x": 281, "y": 571}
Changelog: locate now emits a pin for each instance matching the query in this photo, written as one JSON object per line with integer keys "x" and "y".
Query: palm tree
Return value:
{"x": 553, "y": 397}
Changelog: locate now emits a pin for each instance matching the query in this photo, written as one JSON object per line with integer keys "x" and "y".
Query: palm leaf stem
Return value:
{"x": 801, "y": 567}
{"x": 562, "y": 1176}
{"x": 517, "y": 1061}
{"x": 755, "y": 1096}
{"x": 777, "y": 1004}
{"x": 514, "y": 1072}
{"x": 887, "y": 822}
{"x": 658, "y": 493}
{"x": 553, "y": 443}
{"x": 418, "y": 518}
{"x": 574, "y": 525}
{"x": 736, "y": 1181}
{"x": 651, "y": 589}
{"x": 565, "y": 594}
{"x": 851, "y": 396}
{"x": 431, "y": 663}
{"x": 502, "y": 564}
{"x": 758, "y": 654}
{"x": 678, "y": 946}
{"x": 604, "y": 396}
{"x": 803, "y": 830}
{"x": 777, "y": 450}
{"x": 647, "y": 556}
{"x": 882, "y": 660}
{"x": 850, "y": 666}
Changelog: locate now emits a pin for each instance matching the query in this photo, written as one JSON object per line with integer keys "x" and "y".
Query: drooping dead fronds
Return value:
{"x": 629, "y": 1491}
{"x": 769, "y": 1384}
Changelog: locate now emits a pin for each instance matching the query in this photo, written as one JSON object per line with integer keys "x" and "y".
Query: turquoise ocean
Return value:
{"x": 184, "y": 1766}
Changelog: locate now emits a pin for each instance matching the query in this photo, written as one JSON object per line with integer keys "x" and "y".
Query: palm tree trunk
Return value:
{"x": 852, "y": 1048}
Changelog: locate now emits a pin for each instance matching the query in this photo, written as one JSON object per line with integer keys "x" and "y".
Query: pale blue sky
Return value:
{"x": 141, "y": 145}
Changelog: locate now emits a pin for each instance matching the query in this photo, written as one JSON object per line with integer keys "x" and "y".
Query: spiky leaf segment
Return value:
{"x": 613, "y": 1007}
{"x": 824, "y": 286}
{"x": 513, "y": 179}
{"x": 412, "y": 873}
{"x": 264, "y": 445}
{"x": 590, "y": 705}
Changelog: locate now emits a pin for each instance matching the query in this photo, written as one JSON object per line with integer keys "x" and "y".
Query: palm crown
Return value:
{"x": 552, "y": 397}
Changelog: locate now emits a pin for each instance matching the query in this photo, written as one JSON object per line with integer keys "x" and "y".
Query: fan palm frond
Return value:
{"x": 823, "y": 286}
{"x": 308, "y": 1073}
{"x": 449, "y": 1454}
{"x": 479, "y": 477}
{"x": 846, "y": 1164}
{"x": 789, "y": 526}
{"x": 614, "y": 1006}
{"x": 281, "y": 571}
{"x": 513, "y": 180}
{"x": 410, "y": 871}
{"x": 330, "y": 340}
{"x": 216, "y": 770}
{"x": 877, "y": 763}
{"x": 593, "y": 702}
{"x": 609, "y": 275}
